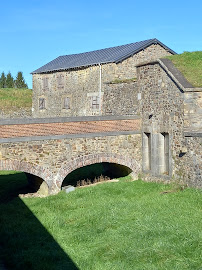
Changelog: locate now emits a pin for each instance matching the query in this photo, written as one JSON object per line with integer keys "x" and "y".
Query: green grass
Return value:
{"x": 124, "y": 225}
{"x": 15, "y": 98}
{"x": 190, "y": 65}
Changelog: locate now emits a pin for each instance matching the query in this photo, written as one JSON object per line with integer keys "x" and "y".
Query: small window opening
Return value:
{"x": 45, "y": 83}
{"x": 60, "y": 80}
{"x": 66, "y": 103}
{"x": 42, "y": 104}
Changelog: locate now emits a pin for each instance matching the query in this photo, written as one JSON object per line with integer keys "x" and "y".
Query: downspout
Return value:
{"x": 100, "y": 88}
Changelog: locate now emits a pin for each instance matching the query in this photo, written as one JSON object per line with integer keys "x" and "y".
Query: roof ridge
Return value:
{"x": 154, "y": 39}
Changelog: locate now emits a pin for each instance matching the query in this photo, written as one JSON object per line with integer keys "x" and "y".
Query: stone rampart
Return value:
{"x": 167, "y": 152}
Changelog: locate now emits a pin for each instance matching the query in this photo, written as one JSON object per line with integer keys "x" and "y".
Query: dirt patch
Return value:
{"x": 31, "y": 195}
{"x": 94, "y": 184}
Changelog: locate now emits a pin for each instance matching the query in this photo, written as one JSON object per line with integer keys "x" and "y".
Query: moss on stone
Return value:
{"x": 116, "y": 81}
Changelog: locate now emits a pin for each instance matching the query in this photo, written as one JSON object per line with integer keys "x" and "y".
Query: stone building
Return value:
{"x": 74, "y": 85}
{"x": 127, "y": 80}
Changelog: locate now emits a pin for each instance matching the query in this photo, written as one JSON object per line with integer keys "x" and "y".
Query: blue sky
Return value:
{"x": 35, "y": 32}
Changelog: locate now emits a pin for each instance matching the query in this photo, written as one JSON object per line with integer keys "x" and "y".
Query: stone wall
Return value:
{"x": 81, "y": 85}
{"x": 122, "y": 99}
{"x": 127, "y": 68}
{"x": 52, "y": 160}
{"x": 193, "y": 110}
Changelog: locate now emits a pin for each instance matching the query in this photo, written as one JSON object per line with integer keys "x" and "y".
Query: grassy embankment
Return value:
{"x": 190, "y": 65}
{"x": 124, "y": 225}
{"x": 11, "y": 99}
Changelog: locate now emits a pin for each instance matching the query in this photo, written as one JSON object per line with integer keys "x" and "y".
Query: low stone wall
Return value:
{"x": 192, "y": 161}
{"x": 16, "y": 113}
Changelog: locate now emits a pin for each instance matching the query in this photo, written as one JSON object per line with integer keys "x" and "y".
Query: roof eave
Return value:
{"x": 76, "y": 67}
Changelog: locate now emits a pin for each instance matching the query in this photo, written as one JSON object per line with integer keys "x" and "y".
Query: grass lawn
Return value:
{"x": 112, "y": 226}
{"x": 190, "y": 65}
{"x": 15, "y": 98}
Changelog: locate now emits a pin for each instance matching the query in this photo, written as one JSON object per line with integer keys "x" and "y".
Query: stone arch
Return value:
{"x": 96, "y": 158}
{"x": 23, "y": 166}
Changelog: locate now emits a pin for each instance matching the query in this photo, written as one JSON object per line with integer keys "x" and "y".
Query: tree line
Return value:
{"x": 7, "y": 81}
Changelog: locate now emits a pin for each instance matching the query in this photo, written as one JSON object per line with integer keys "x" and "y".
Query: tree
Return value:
{"x": 20, "y": 82}
{"x": 9, "y": 81}
{"x": 3, "y": 80}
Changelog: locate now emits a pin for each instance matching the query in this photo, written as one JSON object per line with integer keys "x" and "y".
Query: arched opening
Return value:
{"x": 94, "y": 172}
{"x": 37, "y": 177}
{"x": 37, "y": 184}
{"x": 12, "y": 183}
{"x": 15, "y": 183}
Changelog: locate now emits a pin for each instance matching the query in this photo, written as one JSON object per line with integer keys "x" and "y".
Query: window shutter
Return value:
{"x": 41, "y": 103}
{"x": 95, "y": 102}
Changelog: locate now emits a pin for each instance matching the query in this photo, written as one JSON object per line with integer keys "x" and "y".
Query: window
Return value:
{"x": 146, "y": 151}
{"x": 66, "y": 103}
{"x": 60, "y": 81}
{"x": 42, "y": 104}
{"x": 45, "y": 83}
{"x": 95, "y": 102}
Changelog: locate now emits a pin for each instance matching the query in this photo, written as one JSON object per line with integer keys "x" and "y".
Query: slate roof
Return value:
{"x": 103, "y": 56}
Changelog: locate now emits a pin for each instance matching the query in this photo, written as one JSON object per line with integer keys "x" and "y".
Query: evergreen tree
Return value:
{"x": 3, "y": 80}
{"x": 9, "y": 81}
{"x": 20, "y": 82}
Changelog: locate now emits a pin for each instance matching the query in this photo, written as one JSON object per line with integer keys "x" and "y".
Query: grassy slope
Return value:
{"x": 190, "y": 64}
{"x": 125, "y": 225}
{"x": 15, "y": 98}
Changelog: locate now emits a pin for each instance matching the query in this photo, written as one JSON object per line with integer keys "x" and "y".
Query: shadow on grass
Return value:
{"x": 24, "y": 242}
